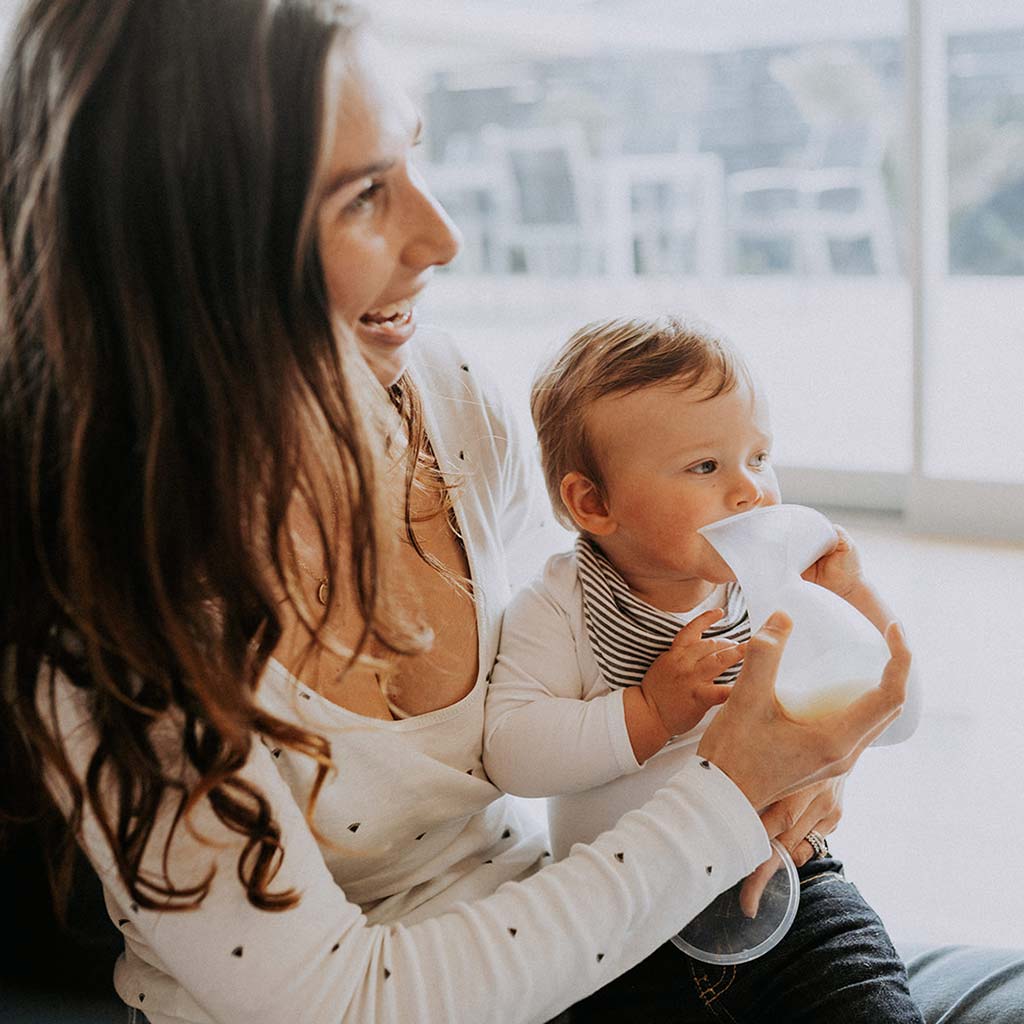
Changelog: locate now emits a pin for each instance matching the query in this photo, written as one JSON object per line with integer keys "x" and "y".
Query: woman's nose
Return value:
{"x": 433, "y": 239}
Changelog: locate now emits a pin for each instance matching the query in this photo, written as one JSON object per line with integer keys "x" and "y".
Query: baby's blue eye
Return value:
{"x": 705, "y": 467}
{"x": 761, "y": 459}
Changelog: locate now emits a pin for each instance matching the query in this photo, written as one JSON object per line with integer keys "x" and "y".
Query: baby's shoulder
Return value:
{"x": 556, "y": 584}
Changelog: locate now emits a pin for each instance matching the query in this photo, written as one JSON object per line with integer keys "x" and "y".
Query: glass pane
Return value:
{"x": 975, "y": 354}
{"x": 620, "y": 157}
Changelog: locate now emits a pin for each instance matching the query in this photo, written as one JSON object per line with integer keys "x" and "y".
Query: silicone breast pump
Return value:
{"x": 834, "y": 654}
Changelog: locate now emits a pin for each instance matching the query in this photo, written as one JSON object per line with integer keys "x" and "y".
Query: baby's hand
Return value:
{"x": 840, "y": 570}
{"x": 680, "y": 685}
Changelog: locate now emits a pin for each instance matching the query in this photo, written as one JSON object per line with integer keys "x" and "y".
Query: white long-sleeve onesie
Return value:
{"x": 430, "y": 900}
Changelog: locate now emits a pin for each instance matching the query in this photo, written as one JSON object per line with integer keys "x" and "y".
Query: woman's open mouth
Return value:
{"x": 394, "y": 322}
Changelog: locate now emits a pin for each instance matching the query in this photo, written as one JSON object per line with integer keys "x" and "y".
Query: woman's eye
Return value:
{"x": 366, "y": 198}
{"x": 705, "y": 467}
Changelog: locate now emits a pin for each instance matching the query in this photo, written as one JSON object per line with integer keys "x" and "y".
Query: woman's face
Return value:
{"x": 380, "y": 231}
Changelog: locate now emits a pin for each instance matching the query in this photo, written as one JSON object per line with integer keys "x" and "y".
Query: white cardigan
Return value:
{"x": 425, "y": 902}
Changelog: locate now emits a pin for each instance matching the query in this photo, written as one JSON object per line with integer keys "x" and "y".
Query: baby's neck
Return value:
{"x": 669, "y": 595}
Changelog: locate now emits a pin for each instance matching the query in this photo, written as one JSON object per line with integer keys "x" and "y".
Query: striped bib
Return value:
{"x": 627, "y": 634}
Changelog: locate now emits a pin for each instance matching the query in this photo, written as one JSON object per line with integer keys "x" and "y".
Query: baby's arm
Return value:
{"x": 544, "y": 736}
{"x": 840, "y": 571}
{"x": 679, "y": 687}
{"x": 541, "y": 738}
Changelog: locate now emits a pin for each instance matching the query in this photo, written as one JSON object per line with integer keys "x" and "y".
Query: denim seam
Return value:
{"x": 714, "y": 990}
{"x": 823, "y": 874}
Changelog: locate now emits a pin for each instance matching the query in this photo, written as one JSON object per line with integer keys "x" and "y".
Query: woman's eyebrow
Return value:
{"x": 346, "y": 177}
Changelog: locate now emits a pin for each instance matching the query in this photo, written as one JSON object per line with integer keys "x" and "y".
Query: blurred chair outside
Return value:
{"x": 827, "y": 214}
{"x": 535, "y": 201}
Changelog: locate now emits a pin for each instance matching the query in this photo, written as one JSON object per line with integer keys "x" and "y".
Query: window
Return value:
{"x": 837, "y": 185}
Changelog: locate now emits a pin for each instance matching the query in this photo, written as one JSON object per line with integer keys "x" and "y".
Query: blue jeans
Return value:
{"x": 836, "y": 964}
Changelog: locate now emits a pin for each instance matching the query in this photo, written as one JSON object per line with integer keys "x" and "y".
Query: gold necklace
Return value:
{"x": 322, "y": 580}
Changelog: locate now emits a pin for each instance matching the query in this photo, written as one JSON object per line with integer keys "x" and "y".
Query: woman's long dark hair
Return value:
{"x": 165, "y": 343}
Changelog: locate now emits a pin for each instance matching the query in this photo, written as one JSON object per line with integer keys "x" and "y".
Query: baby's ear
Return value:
{"x": 586, "y": 504}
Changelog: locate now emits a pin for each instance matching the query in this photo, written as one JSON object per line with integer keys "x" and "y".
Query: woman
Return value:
{"x": 255, "y": 545}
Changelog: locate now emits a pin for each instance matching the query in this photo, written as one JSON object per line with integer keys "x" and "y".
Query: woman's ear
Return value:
{"x": 586, "y": 504}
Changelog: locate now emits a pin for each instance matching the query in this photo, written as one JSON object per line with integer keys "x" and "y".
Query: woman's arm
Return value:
{"x": 522, "y": 954}
{"x": 525, "y": 952}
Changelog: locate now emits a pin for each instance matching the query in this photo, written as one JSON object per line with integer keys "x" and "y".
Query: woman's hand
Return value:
{"x": 818, "y": 807}
{"x": 767, "y": 752}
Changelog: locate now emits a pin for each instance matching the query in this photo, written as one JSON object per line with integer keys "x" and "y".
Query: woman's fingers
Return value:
{"x": 869, "y": 715}
{"x": 795, "y": 840}
{"x": 761, "y": 657}
{"x": 818, "y": 807}
{"x": 754, "y": 885}
{"x": 767, "y": 752}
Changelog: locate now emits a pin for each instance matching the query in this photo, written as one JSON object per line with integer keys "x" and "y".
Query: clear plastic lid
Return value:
{"x": 723, "y": 934}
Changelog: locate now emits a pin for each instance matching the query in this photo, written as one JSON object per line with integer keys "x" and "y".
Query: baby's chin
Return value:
{"x": 716, "y": 569}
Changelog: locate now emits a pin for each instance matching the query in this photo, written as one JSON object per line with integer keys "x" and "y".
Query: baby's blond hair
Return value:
{"x": 617, "y": 356}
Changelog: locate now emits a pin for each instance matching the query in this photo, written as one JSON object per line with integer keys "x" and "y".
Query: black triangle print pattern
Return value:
{"x": 354, "y": 827}
{"x": 237, "y": 951}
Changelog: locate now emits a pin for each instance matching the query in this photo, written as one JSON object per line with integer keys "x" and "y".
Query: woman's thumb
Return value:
{"x": 764, "y": 651}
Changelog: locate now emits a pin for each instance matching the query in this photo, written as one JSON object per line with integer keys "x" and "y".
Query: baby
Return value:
{"x": 612, "y": 662}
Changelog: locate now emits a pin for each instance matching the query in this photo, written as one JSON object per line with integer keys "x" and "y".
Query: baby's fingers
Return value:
{"x": 715, "y": 656}
{"x": 711, "y": 694}
{"x": 691, "y": 632}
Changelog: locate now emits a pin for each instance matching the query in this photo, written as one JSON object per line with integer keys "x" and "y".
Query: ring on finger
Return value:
{"x": 818, "y": 843}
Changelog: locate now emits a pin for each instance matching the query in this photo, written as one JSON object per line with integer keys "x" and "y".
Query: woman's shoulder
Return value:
{"x": 446, "y": 371}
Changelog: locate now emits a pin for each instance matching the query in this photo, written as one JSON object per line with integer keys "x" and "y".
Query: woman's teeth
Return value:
{"x": 397, "y": 313}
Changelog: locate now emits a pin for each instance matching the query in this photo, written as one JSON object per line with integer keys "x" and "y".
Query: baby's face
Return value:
{"x": 674, "y": 461}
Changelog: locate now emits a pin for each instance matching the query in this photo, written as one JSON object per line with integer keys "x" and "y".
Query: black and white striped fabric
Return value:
{"x": 627, "y": 634}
